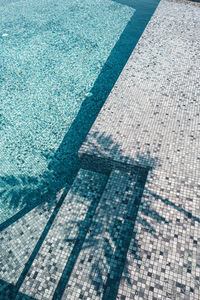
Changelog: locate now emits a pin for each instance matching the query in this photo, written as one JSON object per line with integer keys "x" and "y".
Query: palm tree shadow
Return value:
{"x": 142, "y": 166}
{"x": 92, "y": 238}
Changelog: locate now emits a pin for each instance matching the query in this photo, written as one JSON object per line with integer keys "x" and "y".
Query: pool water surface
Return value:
{"x": 58, "y": 63}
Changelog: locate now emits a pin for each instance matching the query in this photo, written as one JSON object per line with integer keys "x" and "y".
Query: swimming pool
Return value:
{"x": 58, "y": 61}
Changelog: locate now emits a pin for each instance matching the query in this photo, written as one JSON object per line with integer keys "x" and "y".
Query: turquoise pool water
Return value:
{"x": 58, "y": 61}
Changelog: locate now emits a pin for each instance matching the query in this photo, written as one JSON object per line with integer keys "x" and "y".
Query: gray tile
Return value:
{"x": 56, "y": 250}
{"x": 151, "y": 119}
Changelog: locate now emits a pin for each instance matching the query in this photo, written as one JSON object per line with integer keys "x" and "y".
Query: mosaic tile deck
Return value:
{"x": 133, "y": 232}
{"x": 152, "y": 119}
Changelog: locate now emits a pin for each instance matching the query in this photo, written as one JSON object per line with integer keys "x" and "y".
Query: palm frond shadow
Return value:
{"x": 18, "y": 189}
{"x": 112, "y": 248}
{"x": 122, "y": 226}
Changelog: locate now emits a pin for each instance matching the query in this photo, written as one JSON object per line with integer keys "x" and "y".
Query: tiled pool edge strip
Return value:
{"x": 137, "y": 125}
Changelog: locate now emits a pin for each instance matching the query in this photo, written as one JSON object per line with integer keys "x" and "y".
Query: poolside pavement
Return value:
{"x": 152, "y": 119}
